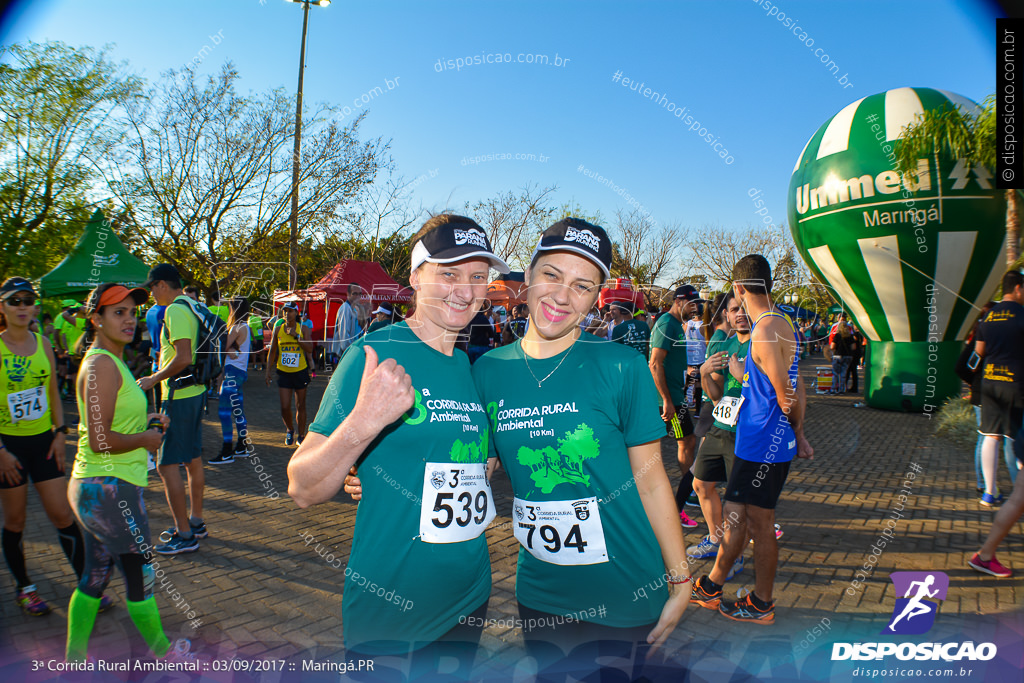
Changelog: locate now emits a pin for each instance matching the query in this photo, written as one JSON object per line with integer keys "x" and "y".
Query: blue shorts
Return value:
{"x": 184, "y": 437}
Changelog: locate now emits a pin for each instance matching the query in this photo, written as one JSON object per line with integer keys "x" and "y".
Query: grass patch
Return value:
{"x": 955, "y": 421}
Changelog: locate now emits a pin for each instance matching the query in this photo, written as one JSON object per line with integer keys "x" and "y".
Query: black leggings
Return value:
{"x": 116, "y": 531}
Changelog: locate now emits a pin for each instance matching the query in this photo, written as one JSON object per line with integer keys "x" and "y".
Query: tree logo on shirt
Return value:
{"x": 474, "y": 451}
{"x": 550, "y": 467}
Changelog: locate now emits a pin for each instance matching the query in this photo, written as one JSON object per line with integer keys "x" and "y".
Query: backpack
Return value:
{"x": 210, "y": 347}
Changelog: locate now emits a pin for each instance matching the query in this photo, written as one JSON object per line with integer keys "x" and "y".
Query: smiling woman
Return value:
{"x": 419, "y": 427}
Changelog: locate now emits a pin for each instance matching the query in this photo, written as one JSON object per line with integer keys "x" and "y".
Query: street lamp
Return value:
{"x": 293, "y": 242}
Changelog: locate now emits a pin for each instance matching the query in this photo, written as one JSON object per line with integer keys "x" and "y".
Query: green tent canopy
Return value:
{"x": 98, "y": 257}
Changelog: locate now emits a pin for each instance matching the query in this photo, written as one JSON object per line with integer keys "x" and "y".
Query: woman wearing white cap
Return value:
{"x": 383, "y": 316}
{"x": 602, "y": 559}
{"x": 403, "y": 404}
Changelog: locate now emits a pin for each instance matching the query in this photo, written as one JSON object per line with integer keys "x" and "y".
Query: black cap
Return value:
{"x": 16, "y": 284}
{"x": 689, "y": 293}
{"x": 163, "y": 271}
{"x": 455, "y": 241}
{"x": 586, "y": 239}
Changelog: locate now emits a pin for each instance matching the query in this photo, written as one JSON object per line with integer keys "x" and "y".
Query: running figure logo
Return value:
{"x": 913, "y": 614}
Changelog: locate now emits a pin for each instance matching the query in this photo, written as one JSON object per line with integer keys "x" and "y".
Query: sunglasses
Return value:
{"x": 19, "y": 301}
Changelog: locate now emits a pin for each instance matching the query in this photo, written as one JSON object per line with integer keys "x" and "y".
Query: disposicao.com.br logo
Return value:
{"x": 913, "y": 614}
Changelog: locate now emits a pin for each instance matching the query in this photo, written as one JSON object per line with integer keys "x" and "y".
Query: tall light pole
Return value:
{"x": 293, "y": 241}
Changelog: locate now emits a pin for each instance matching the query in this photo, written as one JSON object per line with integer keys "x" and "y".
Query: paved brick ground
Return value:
{"x": 261, "y": 593}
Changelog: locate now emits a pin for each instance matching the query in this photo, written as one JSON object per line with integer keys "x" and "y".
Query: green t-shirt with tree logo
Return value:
{"x": 399, "y": 588}
{"x": 567, "y": 441}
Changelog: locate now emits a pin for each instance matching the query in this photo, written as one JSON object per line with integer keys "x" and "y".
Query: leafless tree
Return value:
{"x": 206, "y": 174}
{"x": 645, "y": 251}
{"x": 514, "y": 220}
{"x": 714, "y": 250}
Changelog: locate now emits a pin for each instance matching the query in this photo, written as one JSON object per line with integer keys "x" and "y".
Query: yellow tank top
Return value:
{"x": 290, "y": 357}
{"x": 129, "y": 418}
{"x": 24, "y": 385}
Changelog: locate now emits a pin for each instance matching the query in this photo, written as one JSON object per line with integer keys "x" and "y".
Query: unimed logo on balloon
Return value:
{"x": 914, "y": 614}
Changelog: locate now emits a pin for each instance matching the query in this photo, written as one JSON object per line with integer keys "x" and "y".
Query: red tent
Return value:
{"x": 324, "y": 298}
{"x": 622, "y": 290}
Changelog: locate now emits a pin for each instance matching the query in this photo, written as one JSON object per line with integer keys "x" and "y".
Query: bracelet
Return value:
{"x": 680, "y": 583}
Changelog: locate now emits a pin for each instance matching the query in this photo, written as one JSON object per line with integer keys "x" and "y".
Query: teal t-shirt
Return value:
{"x": 567, "y": 441}
{"x": 732, "y": 386}
{"x": 668, "y": 334}
{"x": 399, "y": 588}
{"x": 634, "y": 334}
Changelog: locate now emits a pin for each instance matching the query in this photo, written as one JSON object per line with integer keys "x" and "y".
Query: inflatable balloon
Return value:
{"x": 912, "y": 257}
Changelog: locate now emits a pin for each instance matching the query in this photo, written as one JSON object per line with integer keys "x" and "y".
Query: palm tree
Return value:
{"x": 964, "y": 135}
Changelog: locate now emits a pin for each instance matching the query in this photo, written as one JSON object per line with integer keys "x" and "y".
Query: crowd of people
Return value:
{"x": 573, "y": 401}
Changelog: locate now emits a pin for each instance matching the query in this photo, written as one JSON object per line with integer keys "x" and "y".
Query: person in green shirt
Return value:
{"x": 716, "y": 329}
{"x": 717, "y": 451}
{"x": 109, "y": 478}
{"x": 383, "y": 316}
{"x": 628, "y": 330}
{"x": 576, "y": 427}
{"x": 669, "y": 367}
{"x": 403, "y": 404}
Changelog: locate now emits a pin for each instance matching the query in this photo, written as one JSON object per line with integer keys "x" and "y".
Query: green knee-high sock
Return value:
{"x": 146, "y": 617}
{"x": 81, "y": 617}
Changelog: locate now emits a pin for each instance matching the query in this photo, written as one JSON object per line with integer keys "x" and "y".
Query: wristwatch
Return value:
{"x": 63, "y": 429}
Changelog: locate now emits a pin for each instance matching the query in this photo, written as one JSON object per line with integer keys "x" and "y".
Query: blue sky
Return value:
{"x": 748, "y": 79}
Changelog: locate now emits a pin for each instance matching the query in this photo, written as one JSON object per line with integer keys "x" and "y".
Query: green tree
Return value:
{"x": 963, "y": 135}
{"x": 58, "y": 129}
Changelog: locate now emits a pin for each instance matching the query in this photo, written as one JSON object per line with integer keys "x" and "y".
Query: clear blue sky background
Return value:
{"x": 746, "y": 77}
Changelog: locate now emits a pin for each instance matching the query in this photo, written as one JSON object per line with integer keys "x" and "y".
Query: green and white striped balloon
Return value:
{"x": 912, "y": 258}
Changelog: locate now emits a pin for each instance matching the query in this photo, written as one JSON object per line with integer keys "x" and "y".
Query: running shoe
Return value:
{"x": 178, "y": 545}
{"x": 745, "y": 610}
{"x": 241, "y": 450}
{"x": 737, "y": 567}
{"x": 289, "y": 438}
{"x": 106, "y": 602}
{"x": 709, "y": 599}
{"x": 225, "y": 456}
{"x": 198, "y": 530}
{"x": 686, "y": 521}
{"x": 703, "y": 550}
{"x": 778, "y": 534}
{"x": 693, "y": 500}
{"x": 990, "y": 501}
{"x": 30, "y": 602}
{"x": 989, "y": 566}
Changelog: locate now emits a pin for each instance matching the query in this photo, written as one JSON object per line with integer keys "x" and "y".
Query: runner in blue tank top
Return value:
{"x": 769, "y": 433}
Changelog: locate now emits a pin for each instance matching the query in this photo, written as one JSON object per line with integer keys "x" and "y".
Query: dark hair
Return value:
{"x": 1012, "y": 280}
{"x": 92, "y": 306}
{"x": 191, "y": 289}
{"x": 239, "y": 311}
{"x": 714, "y": 314}
{"x": 754, "y": 273}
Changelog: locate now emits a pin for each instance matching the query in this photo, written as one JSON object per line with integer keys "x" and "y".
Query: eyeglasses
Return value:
{"x": 18, "y": 301}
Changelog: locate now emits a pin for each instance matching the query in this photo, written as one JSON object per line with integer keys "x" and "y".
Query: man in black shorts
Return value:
{"x": 1000, "y": 343}
{"x": 668, "y": 365}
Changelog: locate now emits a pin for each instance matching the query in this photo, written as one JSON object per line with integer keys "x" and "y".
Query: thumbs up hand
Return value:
{"x": 386, "y": 392}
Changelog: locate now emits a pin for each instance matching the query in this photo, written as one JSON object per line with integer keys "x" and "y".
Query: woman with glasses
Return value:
{"x": 32, "y": 433}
